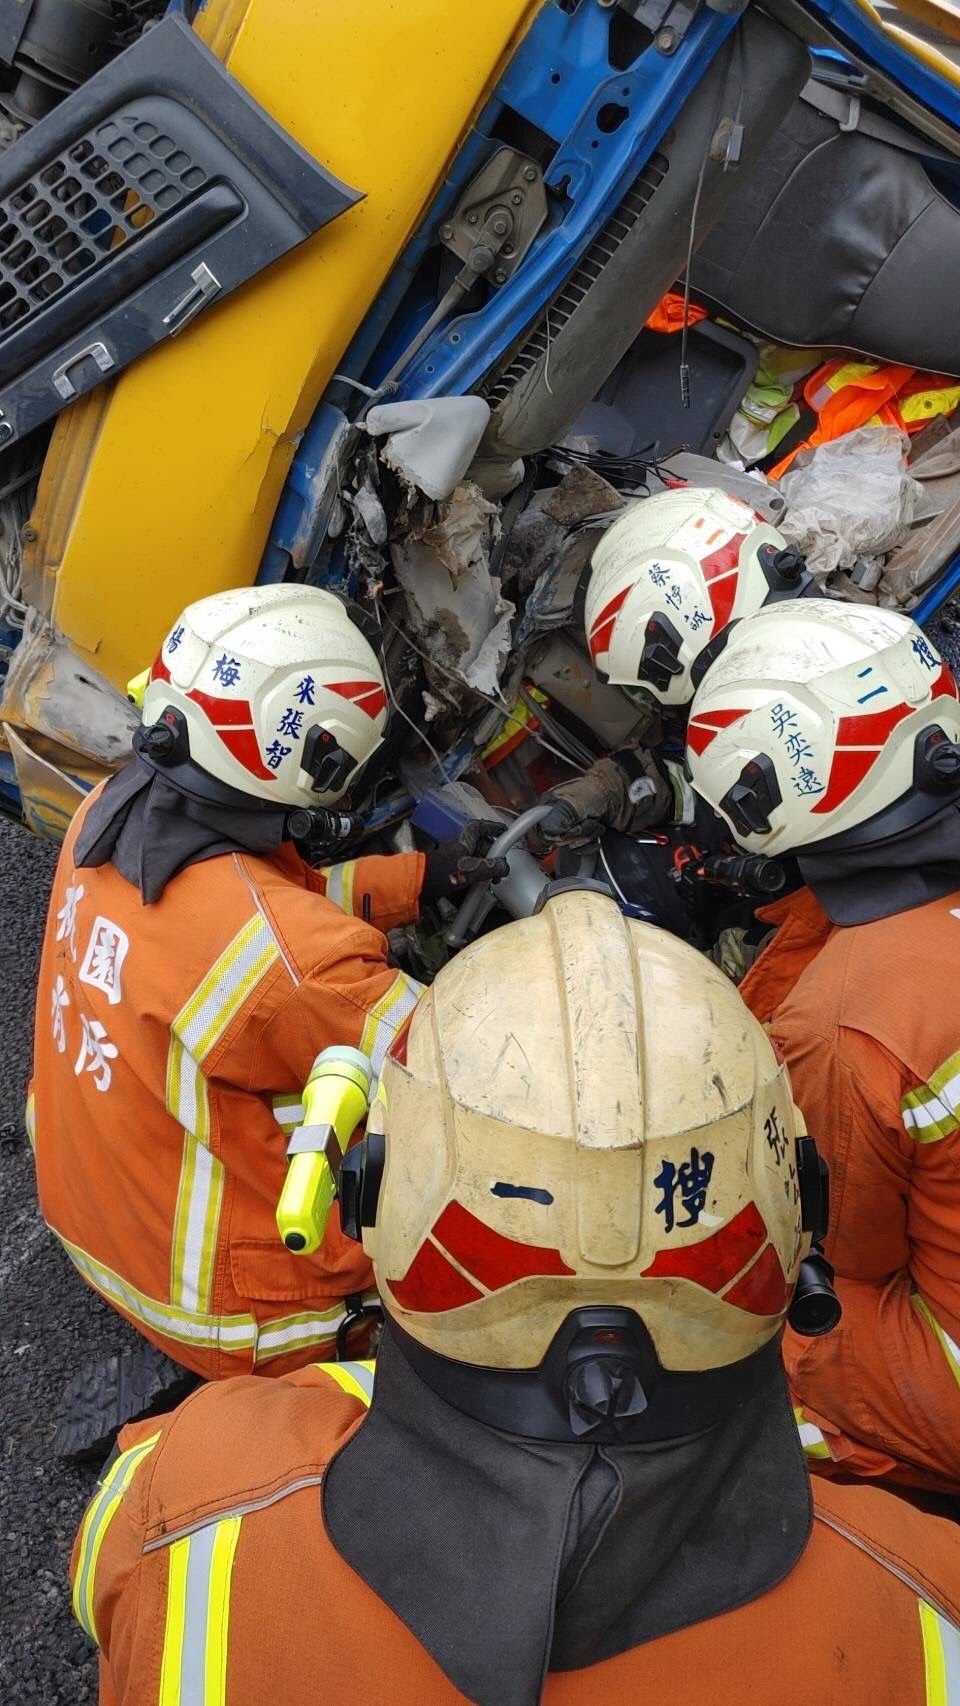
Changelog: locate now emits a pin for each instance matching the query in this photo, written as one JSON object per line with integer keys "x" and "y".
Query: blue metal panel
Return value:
{"x": 937, "y": 594}
{"x": 869, "y": 43}
{"x": 560, "y": 79}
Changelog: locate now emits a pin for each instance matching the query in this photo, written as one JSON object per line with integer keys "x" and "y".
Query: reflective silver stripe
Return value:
{"x": 193, "y": 1670}
{"x": 238, "y": 1510}
{"x": 339, "y": 881}
{"x": 387, "y": 1017}
{"x": 288, "y": 1111}
{"x": 195, "y": 1031}
{"x": 193, "y": 1660}
{"x": 363, "y": 1373}
{"x": 218, "y": 1332}
{"x": 290, "y": 1332}
{"x": 100, "y": 1513}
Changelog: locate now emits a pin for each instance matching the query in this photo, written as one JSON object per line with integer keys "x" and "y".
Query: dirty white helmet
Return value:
{"x": 819, "y": 716}
{"x": 668, "y": 577}
{"x": 584, "y": 1132}
{"x": 273, "y": 691}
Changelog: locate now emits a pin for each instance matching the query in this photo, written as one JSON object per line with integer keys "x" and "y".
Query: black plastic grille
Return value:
{"x": 104, "y": 190}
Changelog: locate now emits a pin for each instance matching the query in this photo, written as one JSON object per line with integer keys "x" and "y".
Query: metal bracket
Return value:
{"x": 206, "y": 286}
{"x": 60, "y": 377}
{"x": 502, "y": 208}
{"x": 667, "y": 20}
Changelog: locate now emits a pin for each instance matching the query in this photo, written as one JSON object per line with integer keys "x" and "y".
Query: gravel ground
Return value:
{"x": 50, "y": 1323}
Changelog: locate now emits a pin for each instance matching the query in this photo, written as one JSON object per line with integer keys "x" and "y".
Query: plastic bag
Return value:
{"x": 850, "y": 499}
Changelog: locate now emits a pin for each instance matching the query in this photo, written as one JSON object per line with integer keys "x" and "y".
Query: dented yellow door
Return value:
{"x": 162, "y": 488}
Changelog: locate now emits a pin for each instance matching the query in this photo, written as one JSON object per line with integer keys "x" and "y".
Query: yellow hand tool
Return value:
{"x": 335, "y": 1099}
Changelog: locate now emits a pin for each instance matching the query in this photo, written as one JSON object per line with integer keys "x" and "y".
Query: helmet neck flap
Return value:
{"x": 152, "y": 825}
{"x": 510, "y": 1557}
{"x": 904, "y": 857}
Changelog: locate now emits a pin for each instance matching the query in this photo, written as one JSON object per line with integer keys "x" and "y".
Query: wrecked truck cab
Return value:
{"x": 445, "y": 368}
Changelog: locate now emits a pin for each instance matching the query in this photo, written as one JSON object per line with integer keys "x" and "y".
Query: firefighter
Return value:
{"x": 663, "y": 585}
{"x": 193, "y": 967}
{"x": 828, "y": 736}
{"x": 580, "y": 1478}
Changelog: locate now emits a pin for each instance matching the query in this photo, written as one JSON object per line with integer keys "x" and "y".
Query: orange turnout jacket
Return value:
{"x": 172, "y": 1045}
{"x": 868, "y": 1024}
{"x": 204, "y": 1571}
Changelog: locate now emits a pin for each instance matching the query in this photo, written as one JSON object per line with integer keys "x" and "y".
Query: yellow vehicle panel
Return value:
{"x": 162, "y": 488}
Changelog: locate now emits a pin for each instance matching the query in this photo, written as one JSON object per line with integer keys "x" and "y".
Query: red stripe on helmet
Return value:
{"x": 223, "y": 713}
{"x": 719, "y": 571}
{"x": 368, "y": 695}
{"x": 432, "y": 1284}
{"x": 944, "y": 684}
{"x": 398, "y": 1048}
{"x": 159, "y": 671}
{"x": 850, "y": 765}
{"x": 703, "y": 729}
{"x": 605, "y": 621}
{"x": 243, "y": 745}
{"x": 763, "y": 1289}
{"x": 373, "y": 703}
{"x": 716, "y": 1260}
{"x": 494, "y": 1260}
{"x": 232, "y": 723}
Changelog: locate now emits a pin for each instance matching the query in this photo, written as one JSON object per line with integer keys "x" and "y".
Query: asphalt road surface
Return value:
{"x": 50, "y": 1324}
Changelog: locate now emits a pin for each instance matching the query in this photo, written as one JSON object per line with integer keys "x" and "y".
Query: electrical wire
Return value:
{"x": 497, "y": 704}
{"x": 694, "y": 211}
{"x": 580, "y": 753}
{"x": 396, "y": 703}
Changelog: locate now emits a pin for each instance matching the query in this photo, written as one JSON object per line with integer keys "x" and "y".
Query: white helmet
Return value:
{"x": 806, "y": 727}
{"x": 669, "y": 576}
{"x": 273, "y": 691}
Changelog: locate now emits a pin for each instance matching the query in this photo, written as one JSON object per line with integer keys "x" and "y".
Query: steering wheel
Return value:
{"x": 483, "y": 895}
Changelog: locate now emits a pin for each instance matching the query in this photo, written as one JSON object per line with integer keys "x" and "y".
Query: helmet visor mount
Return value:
{"x": 600, "y": 1383}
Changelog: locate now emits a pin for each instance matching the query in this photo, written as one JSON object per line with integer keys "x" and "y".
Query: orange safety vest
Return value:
{"x": 846, "y": 394}
{"x": 172, "y": 1045}
{"x": 204, "y": 1571}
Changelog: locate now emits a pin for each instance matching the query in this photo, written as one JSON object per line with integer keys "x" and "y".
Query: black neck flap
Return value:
{"x": 151, "y": 830}
{"x": 510, "y": 1557}
{"x": 857, "y": 884}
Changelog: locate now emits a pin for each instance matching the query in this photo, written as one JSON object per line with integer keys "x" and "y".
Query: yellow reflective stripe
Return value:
{"x": 30, "y": 1120}
{"x": 339, "y": 880}
{"x": 812, "y": 1440}
{"x": 195, "y": 1031}
{"x": 295, "y": 1332}
{"x": 950, "y": 1350}
{"x": 195, "y": 1225}
{"x": 847, "y": 374}
{"x": 193, "y": 1670}
{"x": 930, "y": 1112}
{"x": 218, "y": 1611}
{"x": 353, "y": 1377}
{"x": 941, "y": 1657}
{"x": 288, "y": 1111}
{"x": 187, "y": 1098}
{"x": 100, "y": 1513}
{"x": 171, "y": 1663}
{"x": 386, "y": 1018}
{"x": 203, "y": 1018}
{"x": 923, "y": 405}
{"x": 188, "y": 1327}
